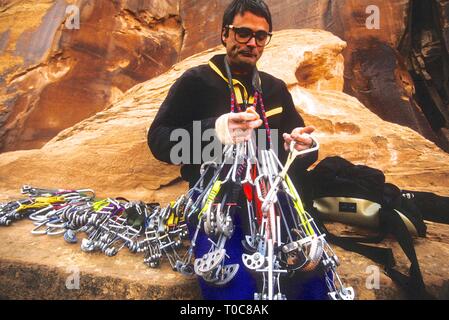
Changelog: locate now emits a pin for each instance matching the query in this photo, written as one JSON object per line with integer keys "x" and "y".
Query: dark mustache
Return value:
{"x": 247, "y": 52}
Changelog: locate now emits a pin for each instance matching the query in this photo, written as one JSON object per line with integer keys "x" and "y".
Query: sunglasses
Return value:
{"x": 244, "y": 35}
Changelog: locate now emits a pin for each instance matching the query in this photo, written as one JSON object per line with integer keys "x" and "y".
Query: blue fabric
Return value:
{"x": 244, "y": 284}
{"x": 305, "y": 287}
{"x": 299, "y": 287}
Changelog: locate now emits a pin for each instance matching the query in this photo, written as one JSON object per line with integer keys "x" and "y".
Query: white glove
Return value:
{"x": 232, "y": 128}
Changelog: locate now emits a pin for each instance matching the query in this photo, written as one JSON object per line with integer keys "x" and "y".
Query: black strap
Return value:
{"x": 433, "y": 207}
{"x": 229, "y": 76}
{"x": 413, "y": 283}
{"x": 382, "y": 256}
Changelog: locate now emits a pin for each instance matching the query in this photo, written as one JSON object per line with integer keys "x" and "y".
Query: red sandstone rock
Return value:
{"x": 53, "y": 77}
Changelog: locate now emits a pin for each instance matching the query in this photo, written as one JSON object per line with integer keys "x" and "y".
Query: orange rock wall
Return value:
{"x": 54, "y": 77}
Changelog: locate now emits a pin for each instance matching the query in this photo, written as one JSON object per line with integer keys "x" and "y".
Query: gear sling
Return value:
{"x": 244, "y": 285}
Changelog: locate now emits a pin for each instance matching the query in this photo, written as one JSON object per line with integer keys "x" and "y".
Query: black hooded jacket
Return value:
{"x": 202, "y": 94}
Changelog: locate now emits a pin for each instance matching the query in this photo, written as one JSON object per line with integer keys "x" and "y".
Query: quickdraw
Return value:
{"x": 109, "y": 224}
{"x": 282, "y": 237}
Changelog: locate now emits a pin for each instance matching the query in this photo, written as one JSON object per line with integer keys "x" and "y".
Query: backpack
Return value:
{"x": 358, "y": 195}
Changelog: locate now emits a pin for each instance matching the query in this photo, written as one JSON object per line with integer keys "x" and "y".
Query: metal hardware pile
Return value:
{"x": 282, "y": 237}
{"x": 110, "y": 224}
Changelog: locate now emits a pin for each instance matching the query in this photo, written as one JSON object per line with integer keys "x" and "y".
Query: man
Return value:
{"x": 203, "y": 94}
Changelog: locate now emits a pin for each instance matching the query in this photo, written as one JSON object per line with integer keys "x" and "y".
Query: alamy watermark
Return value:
{"x": 72, "y": 282}
{"x": 73, "y": 17}
{"x": 373, "y": 280}
{"x": 197, "y": 146}
{"x": 373, "y": 20}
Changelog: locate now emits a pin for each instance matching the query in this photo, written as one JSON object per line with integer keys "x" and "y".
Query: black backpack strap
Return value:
{"x": 338, "y": 177}
{"x": 433, "y": 207}
{"x": 413, "y": 284}
{"x": 382, "y": 256}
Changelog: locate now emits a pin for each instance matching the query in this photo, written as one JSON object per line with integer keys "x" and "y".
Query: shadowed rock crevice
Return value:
{"x": 425, "y": 45}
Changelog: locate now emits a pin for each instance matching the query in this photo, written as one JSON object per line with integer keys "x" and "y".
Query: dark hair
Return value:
{"x": 257, "y": 7}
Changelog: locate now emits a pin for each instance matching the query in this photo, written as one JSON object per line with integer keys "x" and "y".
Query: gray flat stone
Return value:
{"x": 38, "y": 267}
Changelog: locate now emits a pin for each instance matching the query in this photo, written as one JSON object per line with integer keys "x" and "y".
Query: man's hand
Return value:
{"x": 235, "y": 128}
{"x": 301, "y": 136}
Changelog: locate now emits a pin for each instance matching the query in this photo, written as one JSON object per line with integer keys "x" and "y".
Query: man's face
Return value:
{"x": 244, "y": 56}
